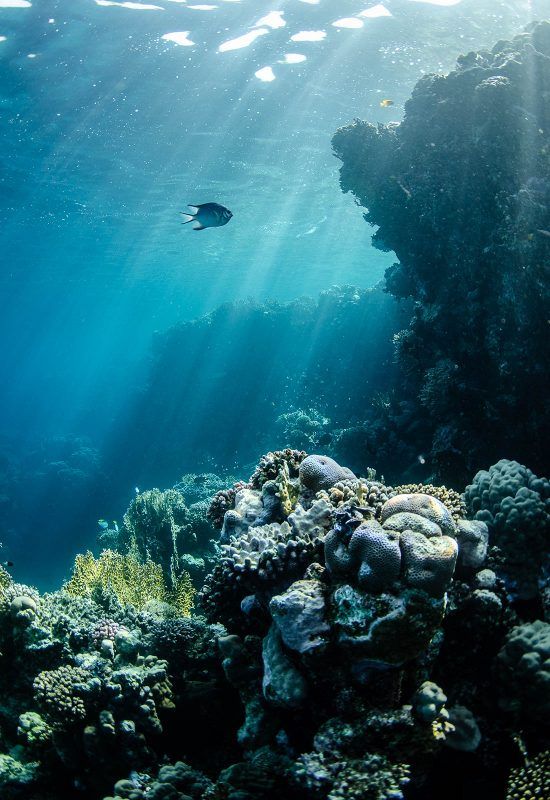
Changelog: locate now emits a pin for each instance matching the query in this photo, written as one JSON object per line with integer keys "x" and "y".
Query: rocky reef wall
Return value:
{"x": 460, "y": 191}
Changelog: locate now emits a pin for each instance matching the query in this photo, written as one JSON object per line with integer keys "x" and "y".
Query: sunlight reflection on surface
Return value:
{"x": 348, "y": 22}
{"x": 242, "y": 41}
{"x": 133, "y": 6}
{"x": 375, "y": 11}
{"x": 265, "y": 74}
{"x": 309, "y": 36}
{"x": 179, "y": 37}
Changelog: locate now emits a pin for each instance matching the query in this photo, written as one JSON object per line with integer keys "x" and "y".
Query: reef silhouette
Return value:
{"x": 460, "y": 191}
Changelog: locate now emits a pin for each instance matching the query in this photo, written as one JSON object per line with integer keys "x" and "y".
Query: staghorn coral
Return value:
{"x": 155, "y": 529}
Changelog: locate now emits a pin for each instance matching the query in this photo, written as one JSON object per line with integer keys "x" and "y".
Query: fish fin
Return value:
{"x": 191, "y": 217}
{"x": 193, "y": 205}
{"x": 199, "y": 227}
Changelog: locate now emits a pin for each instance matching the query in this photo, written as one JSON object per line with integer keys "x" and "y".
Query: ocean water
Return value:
{"x": 115, "y": 116}
{"x": 179, "y": 581}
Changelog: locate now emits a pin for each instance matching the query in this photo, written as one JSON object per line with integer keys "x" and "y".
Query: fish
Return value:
{"x": 7, "y": 564}
{"x": 207, "y": 215}
{"x": 386, "y": 103}
{"x": 103, "y": 524}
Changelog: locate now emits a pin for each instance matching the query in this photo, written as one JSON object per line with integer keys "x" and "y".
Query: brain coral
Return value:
{"x": 425, "y": 506}
{"x": 370, "y": 555}
{"x": 321, "y": 472}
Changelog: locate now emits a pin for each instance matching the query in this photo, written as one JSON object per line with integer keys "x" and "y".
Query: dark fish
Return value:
{"x": 208, "y": 215}
{"x": 7, "y": 563}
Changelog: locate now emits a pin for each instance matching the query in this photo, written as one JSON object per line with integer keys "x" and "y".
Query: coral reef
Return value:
{"x": 532, "y": 781}
{"x": 295, "y": 389}
{"x": 459, "y": 191}
{"x": 131, "y": 581}
{"x": 515, "y": 505}
{"x": 356, "y": 639}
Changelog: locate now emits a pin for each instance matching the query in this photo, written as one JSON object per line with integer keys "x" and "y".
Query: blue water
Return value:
{"x": 108, "y": 130}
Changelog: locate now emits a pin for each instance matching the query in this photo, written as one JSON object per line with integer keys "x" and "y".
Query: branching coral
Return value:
{"x": 129, "y": 580}
{"x": 155, "y": 529}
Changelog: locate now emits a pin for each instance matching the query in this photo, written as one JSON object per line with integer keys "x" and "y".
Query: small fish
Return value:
{"x": 543, "y": 233}
{"x": 7, "y": 563}
{"x": 386, "y": 103}
{"x": 207, "y": 215}
{"x": 103, "y": 524}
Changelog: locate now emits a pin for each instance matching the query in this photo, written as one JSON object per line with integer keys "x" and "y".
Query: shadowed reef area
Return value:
{"x": 461, "y": 190}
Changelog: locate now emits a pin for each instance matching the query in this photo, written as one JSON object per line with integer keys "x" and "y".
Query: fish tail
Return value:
{"x": 190, "y": 217}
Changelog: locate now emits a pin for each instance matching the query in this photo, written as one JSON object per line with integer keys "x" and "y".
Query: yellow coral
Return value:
{"x": 287, "y": 491}
{"x": 132, "y": 582}
{"x": 183, "y": 596}
{"x": 5, "y": 578}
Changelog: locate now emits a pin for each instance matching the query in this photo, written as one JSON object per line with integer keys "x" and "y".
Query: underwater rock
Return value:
{"x": 471, "y": 355}
{"x": 384, "y": 630}
{"x": 466, "y": 735}
{"x": 473, "y": 541}
{"x": 429, "y": 701}
{"x": 299, "y": 614}
{"x": 428, "y": 564}
{"x": 283, "y": 685}
{"x": 321, "y": 472}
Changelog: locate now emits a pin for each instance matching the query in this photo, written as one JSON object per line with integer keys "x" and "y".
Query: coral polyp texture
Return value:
{"x": 459, "y": 191}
